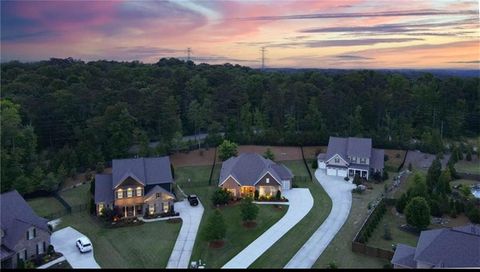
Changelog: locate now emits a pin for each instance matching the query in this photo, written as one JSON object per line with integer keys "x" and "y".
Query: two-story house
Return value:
{"x": 135, "y": 187}
{"x": 24, "y": 234}
{"x": 351, "y": 156}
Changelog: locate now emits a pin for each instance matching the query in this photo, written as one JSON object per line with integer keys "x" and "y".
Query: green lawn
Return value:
{"x": 237, "y": 237}
{"x": 340, "y": 248}
{"x": 408, "y": 182}
{"x": 78, "y": 195}
{"x": 398, "y": 236}
{"x": 45, "y": 206}
{"x": 284, "y": 249}
{"x": 145, "y": 246}
{"x": 467, "y": 182}
{"x": 471, "y": 167}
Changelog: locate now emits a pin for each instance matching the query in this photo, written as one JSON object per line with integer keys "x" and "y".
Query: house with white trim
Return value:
{"x": 248, "y": 172}
{"x": 351, "y": 156}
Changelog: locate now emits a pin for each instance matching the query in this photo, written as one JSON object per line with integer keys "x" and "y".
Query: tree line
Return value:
{"x": 63, "y": 116}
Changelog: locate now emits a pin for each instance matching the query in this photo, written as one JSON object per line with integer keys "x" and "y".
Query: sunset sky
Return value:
{"x": 298, "y": 34}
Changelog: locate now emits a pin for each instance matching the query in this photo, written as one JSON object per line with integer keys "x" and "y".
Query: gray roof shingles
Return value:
{"x": 354, "y": 147}
{"x": 103, "y": 188}
{"x": 376, "y": 161}
{"x": 338, "y": 146}
{"x": 17, "y": 217}
{"x": 404, "y": 256}
{"x": 450, "y": 247}
{"x": 247, "y": 168}
{"x": 359, "y": 147}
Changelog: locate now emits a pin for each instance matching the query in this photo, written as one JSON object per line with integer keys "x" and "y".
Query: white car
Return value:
{"x": 84, "y": 244}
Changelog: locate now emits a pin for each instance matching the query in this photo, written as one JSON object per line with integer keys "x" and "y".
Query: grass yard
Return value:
{"x": 284, "y": 249}
{"x": 45, "y": 206}
{"x": 467, "y": 182}
{"x": 145, "y": 246}
{"x": 408, "y": 182}
{"x": 398, "y": 236}
{"x": 471, "y": 167}
{"x": 340, "y": 248}
{"x": 78, "y": 195}
{"x": 237, "y": 237}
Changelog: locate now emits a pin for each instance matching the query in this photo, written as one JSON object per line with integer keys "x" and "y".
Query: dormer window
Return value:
{"x": 120, "y": 193}
{"x": 139, "y": 191}
{"x": 129, "y": 192}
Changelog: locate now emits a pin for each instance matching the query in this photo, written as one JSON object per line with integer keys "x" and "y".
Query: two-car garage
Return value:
{"x": 340, "y": 172}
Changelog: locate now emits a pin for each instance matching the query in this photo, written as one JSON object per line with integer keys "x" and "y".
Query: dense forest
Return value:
{"x": 62, "y": 116}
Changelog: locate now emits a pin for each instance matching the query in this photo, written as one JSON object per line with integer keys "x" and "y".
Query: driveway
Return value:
{"x": 64, "y": 241}
{"x": 300, "y": 202}
{"x": 340, "y": 191}
{"x": 191, "y": 217}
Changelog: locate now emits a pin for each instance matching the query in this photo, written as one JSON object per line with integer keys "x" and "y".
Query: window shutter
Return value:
{"x": 25, "y": 255}
{"x": 34, "y": 232}
{"x": 28, "y": 235}
{"x": 44, "y": 247}
{"x": 36, "y": 248}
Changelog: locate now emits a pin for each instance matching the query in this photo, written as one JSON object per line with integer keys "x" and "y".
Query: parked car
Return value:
{"x": 193, "y": 199}
{"x": 84, "y": 244}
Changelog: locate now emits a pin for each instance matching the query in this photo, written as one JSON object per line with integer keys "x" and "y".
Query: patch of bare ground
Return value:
{"x": 249, "y": 224}
{"x": 216, "y": 244}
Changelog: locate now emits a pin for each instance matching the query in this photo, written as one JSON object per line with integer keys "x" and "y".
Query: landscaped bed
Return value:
{"x": 145, "y": 246}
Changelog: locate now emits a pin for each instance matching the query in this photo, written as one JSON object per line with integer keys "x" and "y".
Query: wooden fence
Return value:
{"x": 306, "y": 164}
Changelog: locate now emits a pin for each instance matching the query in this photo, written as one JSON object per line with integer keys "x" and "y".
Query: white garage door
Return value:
{"x": 285, "y": 185}
{"x": 342, "y": 173}
{"x": 321, "y": 164}
{"x": 331, "y": 172}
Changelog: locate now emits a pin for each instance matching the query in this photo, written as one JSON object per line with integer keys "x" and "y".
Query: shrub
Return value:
{"x": 20, "y": 264}
{"x": 401, "y": 203}
{"x": 377, "y": 176}
{"x": 88, "y": 175}
{"x": 269, "y": 154}
{"x": 216, "y": 228}
{"x": 417, "y": 213}
{"x": 92, "y": 206}
{"x": 227, "y": 149}
{"x": 473, "y": 214}
{"x": 385, "y": 175}
{"x": 221, "y": 197}
{"x": 469, "y": 155}
{"x": 100, "y": 167}
{"x": 346, "y": 178}
{"x": 278, "y": 196}
{"x": 332, "y": 265}
{"x": 385, "y": 157}
{"x": 314, "y": 164}
{"x": 249, "y": 210}
{"x": 256, "y": 194}
{"x": 357, "y": 180}
{"x": 50, "y": 249}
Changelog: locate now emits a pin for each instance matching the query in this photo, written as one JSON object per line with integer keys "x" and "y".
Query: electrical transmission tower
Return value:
{"x": 189, "y": 51}
{"x": 263, "y": 50}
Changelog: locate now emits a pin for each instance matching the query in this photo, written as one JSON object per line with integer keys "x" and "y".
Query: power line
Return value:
{"x": 263, "y": 50}
{"x": 189, "y": 51}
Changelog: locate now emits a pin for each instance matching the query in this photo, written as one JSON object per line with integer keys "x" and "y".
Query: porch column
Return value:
{"x": 125, "y": 209}
{"x": 134, "y": 210}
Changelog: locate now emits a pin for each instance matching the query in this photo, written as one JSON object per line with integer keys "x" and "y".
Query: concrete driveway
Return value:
{"x": 300, "y": 202}
{"x": 191, "y": 217}
{"x": 64, "y": 241}
{"x": 340, "y": 191}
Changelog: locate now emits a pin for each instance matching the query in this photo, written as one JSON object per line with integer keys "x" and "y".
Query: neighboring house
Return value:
{"x": 248, "y": 172}
{"x": 351, "y": 156}
{"x": 442, "y": 248}
{"x": 24, "y": 234}
{"x": 136, "y": 186}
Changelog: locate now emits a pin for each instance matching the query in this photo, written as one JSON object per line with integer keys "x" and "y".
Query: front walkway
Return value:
{"x": 64, "y": 241}
{"x": 191, "y": 217}
{"x": 340, "y": 191}
{"x": 300, "y": 202}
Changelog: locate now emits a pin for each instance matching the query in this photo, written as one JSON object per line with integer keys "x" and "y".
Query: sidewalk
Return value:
{"x": 300, "y": 203}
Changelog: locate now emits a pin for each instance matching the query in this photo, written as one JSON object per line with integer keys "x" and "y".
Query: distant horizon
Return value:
{"x": 347, "y": 34}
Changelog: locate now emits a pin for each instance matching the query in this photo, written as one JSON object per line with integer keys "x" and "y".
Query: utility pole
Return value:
{"x": 189, "y": 50}
{"x": 263, "y": 57}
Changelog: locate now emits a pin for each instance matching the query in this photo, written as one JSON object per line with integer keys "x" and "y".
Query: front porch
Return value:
{"x": 360, "y": 172}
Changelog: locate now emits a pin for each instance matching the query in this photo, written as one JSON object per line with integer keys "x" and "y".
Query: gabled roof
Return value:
{"x": 337, "y": 145}
{"x": 248, "y": 168}
{"x": 17, "y": 217}
{"x": 404, "y": 256}
{"x": 376, "y": 160}
{"x": 103, "y": 188}
{"x": 148, "y": 171}
{"x": 359, "y": 147}
{"x": 157, "y": 189}
{"x": 450, "y": 247}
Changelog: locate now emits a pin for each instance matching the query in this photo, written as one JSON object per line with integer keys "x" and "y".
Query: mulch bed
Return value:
{"x": 174, "y": 220}
{"x": 250, "y": 224}
{"x": 216, "y": 244}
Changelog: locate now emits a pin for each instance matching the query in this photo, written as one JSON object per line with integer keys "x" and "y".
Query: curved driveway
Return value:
{"x": 301, "y": 202}
{"x": 64, "y": 241}
{"x": 340, "y": 191}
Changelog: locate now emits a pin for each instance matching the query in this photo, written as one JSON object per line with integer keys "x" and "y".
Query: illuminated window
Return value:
{"x": 268, "y": 180}
{"x": 139, "y": 191}
{"x": 129, "y": 192}
{"x": 151, "y": 208}
{"x": 100, "y": 208}
{"x": 119, "y": 193}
